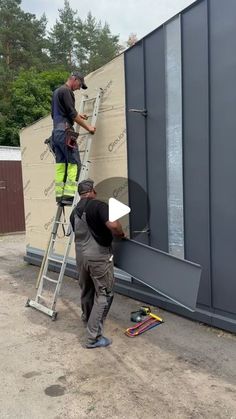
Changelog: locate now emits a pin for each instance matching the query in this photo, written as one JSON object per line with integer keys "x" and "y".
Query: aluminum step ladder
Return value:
{"x": 42, "y": 303}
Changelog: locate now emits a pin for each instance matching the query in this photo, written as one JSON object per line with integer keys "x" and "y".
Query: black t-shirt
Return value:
{"x": 97, "y": 214}
{"x": 63, "y": 104}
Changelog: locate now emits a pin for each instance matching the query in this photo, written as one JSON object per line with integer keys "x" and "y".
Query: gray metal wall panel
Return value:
{"x": 156, "y": 138}
{"x": 209, "y": 165}
{"x": 196, "y": 143}
{"x": 175, "y": 278}
{"x": 223, "y": 152}
{"x": 136, "y": 132}
{"x": 174, "y": 144}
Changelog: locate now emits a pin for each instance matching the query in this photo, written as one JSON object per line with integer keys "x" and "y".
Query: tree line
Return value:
{"x": 34, "y": 61}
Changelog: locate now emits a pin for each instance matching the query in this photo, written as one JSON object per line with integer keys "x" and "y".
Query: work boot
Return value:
{"x": 100, "y": 343}
{"x": 58, "y": 200}
{"x": 67, "y": 200}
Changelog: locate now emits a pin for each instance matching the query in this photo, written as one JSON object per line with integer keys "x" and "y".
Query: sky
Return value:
{"x": 123, "y": 16}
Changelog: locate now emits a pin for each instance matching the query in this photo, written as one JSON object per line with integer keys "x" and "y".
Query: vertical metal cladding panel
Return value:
{"x": 136, "y": 132}
{"x": 196, "y": 143}
{"x": 156, "y": 138}
{"x": 11, "y": 197}
{"x": 174, "y": 144}
{"x": 223, "y": 152}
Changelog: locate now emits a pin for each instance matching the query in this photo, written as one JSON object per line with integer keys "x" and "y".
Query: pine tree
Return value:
{"x": 95, "y": 44}
{"x": 106, "y": 49}
{"x": 62, "y": 37}
{"x": 22, "y": 37}
{"x": 86, "y": 41}
{"x": 10, "y": 17}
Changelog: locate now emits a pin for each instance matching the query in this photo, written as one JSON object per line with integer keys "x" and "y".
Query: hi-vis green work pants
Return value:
{"x": 67, "y": 165}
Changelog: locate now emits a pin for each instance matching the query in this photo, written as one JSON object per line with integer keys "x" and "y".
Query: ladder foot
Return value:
{"x": 54, "y": 316}
{"x": 43, "y": 308}
{"x": 27, "y": 303}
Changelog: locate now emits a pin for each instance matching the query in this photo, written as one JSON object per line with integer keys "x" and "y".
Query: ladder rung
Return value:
{"x": 85, "y": 165}
{"x": 43, "y": 298}
{"x": 88, "y": 100}
{"x": 50, "y": 279}
{"x": 61, "y": 222}
{"x": 54, "y": 259}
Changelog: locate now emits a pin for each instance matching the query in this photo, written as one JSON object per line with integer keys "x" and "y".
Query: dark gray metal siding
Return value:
{"x": 223, "y": 152}
{"x": 156, "y": 138}
{"x": 209, "y": 151}
{"x": 137, "y": 138}
{"x": 146, "y": 87}
{"x": 195, "y": 83}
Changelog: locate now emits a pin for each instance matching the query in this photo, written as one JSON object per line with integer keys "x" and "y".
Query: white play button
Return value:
{"x": 117, "y": 209}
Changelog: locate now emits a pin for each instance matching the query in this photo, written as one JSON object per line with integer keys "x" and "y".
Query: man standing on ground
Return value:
{"x": 93, "y": 238}
{"x": 64, "y": 142}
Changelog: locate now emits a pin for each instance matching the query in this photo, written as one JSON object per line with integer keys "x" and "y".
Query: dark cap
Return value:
{"x": 85, "y": 186}
{"x": 80, "y": 77}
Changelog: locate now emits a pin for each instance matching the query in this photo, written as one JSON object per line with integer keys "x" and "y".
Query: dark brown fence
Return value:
{"x": 12, "y": 217}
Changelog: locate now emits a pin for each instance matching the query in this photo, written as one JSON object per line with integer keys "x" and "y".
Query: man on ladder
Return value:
{"x": 43, "y": 302}
{"x": 64, "y": 137}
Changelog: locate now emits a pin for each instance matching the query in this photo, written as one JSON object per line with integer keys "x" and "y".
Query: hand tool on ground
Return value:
{"x": 137, "y": 316}
{"x": 151, "y": 321}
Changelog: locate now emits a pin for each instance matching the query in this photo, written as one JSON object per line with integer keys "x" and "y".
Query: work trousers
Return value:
{"x": 67, "y": 165}
{"x": 96, "y": 280}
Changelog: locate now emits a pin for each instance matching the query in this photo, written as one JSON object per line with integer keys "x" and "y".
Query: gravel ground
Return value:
{"x": 181, "y": 369}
